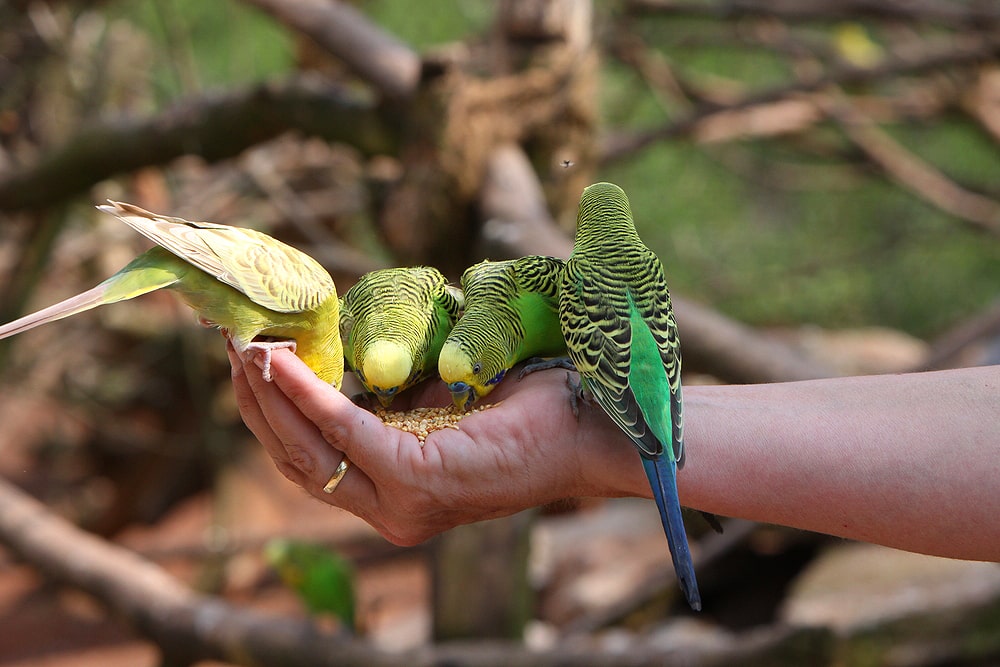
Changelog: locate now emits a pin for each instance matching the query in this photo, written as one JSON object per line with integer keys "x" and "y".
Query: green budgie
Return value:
{"x": 511, "y": 314}
{"x": 323, "y": 580}
{"x": 245, "y": 282}
{"x": 393, "y": 323}
{"x": 620, "y": 332}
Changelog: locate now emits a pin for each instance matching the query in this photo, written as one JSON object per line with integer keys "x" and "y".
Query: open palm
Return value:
{"x": 527, "y": 450}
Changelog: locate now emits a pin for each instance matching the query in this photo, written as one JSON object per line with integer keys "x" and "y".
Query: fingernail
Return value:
{"x": 234, "y": 359}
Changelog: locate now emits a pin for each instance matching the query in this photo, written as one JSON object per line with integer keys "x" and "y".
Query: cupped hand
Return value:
{"x": 527, "y": 450}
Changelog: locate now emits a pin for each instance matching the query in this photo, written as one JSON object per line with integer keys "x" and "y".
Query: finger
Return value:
{"x": 254, "y": 419}
{"x": 296, "y": 441}
{"x": 304, "y": 446}
{"x": 253, "y": 414}
{"x": 348, "y": 428}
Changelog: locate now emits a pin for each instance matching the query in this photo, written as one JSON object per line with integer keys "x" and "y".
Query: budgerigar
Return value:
{"x": 620, "y": 332}
{"x": 261, "y": 292}
{"x": 322, "y": 579}
{"x": 511, "y": 314}
{"x": 393, "y": 323}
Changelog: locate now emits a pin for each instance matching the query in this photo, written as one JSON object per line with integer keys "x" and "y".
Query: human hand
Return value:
{"x": 526, "y": 451}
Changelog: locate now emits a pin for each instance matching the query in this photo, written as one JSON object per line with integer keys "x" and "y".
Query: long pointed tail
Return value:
{"x": 134, "y": 280}
{"x": 662, "y": 476}
{"x": 75, "y": 304}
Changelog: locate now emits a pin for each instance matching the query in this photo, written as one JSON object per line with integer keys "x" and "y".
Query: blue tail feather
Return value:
{"x": 662, "y": 476}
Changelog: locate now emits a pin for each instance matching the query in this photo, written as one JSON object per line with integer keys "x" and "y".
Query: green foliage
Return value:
{"x": 435, "y": 23}
{"x": 207, "y": 44}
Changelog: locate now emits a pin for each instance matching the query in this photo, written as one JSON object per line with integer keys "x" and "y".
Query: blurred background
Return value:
{"x": 820, "y": 179}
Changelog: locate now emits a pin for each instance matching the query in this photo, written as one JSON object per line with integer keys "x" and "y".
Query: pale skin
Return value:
{"x": 910, "y": 461}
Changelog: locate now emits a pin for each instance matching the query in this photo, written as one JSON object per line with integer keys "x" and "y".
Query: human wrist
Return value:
{"x": 609, "y": 464}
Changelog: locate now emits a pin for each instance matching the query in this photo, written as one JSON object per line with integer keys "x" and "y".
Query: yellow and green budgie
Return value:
{"x": 262, "y": 293}
{"x": 322, "y": 579}
{"x": 616, "y": 316}
{"x": 393, "y": 323}
{"x": 511, "y": 314}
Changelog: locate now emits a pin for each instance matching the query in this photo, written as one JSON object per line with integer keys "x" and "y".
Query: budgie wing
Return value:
{"x": 652, "y": 300}
{"x": 480, "y": 277}
{"x": 271, "y": 273}
{"x": 594, "y": 314}
{"x": 452, "y": 299}
{"x": 539, "y": 273}
{"x": 346, "y": 328}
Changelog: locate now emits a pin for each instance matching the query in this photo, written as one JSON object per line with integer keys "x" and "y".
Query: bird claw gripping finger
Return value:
{"x": 577, "y": 393}
{"x": 364, "y": 400}
{"x": 536, "y": 364}
{"x": 266, "y": 347}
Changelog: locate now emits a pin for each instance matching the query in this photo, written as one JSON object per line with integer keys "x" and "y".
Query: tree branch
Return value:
{"x": 213, "y": 127}
{"x": 373, "y": 54}
{"x": 946, "y": 350}
{"x": 191, "y": 627}
{"x": 951, "y": 14}
{"x": 518, "y": 223}
{"x": 910, "y": 172}
{"x": 710, "y": 549}
{"x": 962, "y": 53}
{"x": 186, "y": 625}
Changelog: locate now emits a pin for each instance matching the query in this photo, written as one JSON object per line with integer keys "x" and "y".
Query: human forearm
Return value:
{"x": 909, "y": 461}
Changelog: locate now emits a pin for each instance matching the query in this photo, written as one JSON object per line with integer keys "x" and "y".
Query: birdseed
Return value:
{"x": 421, "y": 422}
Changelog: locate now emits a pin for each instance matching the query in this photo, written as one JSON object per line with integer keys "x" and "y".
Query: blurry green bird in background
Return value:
{"x": 511, "y": 314}
{"x": 322, "y": 579}
{"x": 615, "y": 312}
{"x": 393, "y": 323}
{"x": 242, "y": 281}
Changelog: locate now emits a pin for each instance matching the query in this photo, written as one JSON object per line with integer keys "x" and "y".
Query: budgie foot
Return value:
{"x": 541, "y": 363}
{"x": 712, "y": 521}
{"x": 577, "y": 393}
{"x": 364, "y": 399}
{"x": 267, "y": 347}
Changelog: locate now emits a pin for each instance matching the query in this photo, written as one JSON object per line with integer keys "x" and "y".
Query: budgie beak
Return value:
{"x": 385, "y": 396}
{"x": 463, "y": 394}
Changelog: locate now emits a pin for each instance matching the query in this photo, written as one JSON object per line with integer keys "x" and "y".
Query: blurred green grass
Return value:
{"x": 203, "y": 45}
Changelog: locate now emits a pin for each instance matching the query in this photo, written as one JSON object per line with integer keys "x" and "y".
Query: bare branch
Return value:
{"x": 518, "y": 223}
{"x": 186, "y": 625}
{"x": 326, "y": 247}
{"x": 213, "y": 127}
{"x": 711, "y": 549}
{"x": 192, "y": 627}
{"x": 909, "y": 171}
{"x": 983, "y": 102}
{"x": 951, "y": 14}
{"x": 932, "y": 58}
{"x": 373, "y": 54}
{"x": 947, "y": 349}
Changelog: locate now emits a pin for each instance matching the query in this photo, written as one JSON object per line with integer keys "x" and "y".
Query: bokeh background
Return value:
{"x": 819, "y": 178}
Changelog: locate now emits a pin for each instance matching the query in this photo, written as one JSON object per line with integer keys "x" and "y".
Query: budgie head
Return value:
{"x": 288, "y": 559}
{"x": 386, "y": 369}
{"x": 471, "y": 369}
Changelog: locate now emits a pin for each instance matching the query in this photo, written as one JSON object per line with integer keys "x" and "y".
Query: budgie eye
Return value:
{"x": 477, "y": 368}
